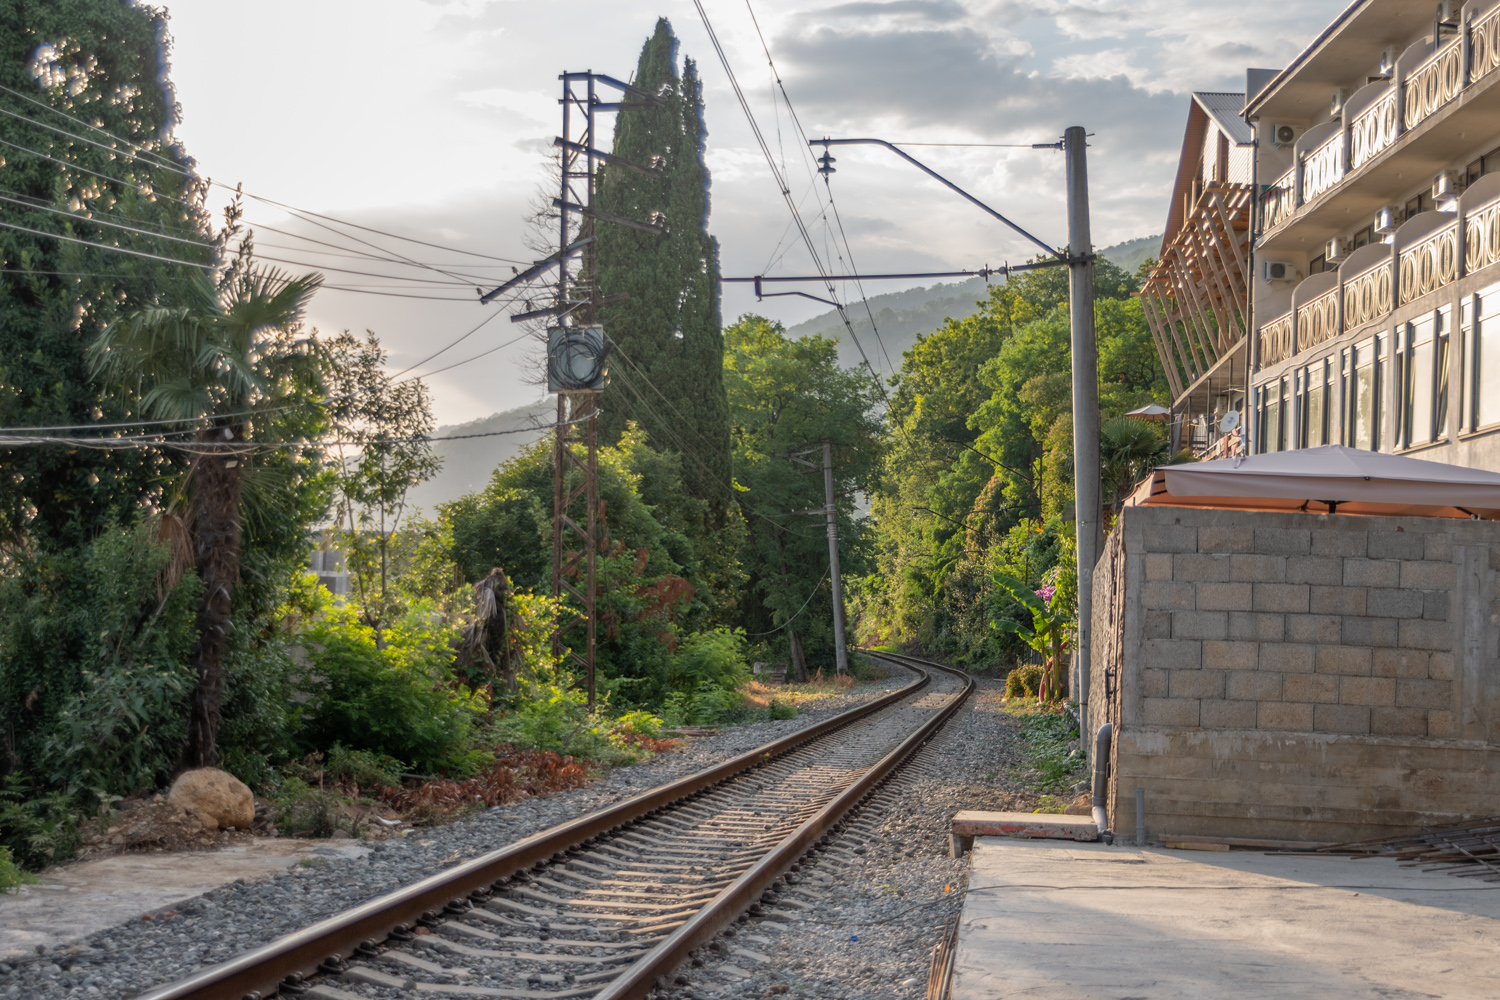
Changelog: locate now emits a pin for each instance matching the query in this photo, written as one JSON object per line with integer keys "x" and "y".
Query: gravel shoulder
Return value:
{"x": 155, "y": 948}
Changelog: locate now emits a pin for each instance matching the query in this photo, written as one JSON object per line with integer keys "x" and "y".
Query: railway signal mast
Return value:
{"x": 577, "y": 346}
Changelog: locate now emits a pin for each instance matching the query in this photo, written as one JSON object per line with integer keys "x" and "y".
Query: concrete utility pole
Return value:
{"x": 841, "y": 653}
{"x": 1086, "y": 487}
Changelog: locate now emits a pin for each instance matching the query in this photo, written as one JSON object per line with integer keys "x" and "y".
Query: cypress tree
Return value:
{"x": 669, "y": 327}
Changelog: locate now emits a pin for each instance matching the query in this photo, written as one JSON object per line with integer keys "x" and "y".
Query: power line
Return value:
{"x": 105, "y": 246}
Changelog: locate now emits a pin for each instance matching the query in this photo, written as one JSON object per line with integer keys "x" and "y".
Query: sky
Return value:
{"x": 432, "y": 119}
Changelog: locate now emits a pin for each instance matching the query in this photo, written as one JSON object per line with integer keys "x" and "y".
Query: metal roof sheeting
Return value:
{"x": 1225, "y": 110}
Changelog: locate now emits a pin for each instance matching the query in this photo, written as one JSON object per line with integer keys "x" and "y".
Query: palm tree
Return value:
{"x": 229, "y": 363}
{"x": 1128, "y": 450}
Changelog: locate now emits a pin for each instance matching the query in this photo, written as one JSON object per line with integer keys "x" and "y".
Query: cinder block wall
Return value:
{"x": 1298, "y": 676}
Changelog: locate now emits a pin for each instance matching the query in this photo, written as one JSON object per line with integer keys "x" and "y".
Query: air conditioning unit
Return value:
{"x": 1283, "y": 135}
{"x": 1336, "y": 106}
{"x": 1446, "y": 186}
{"x": 1387, "y": 220}
{"x": 1336, "y": 249}
{"x": 1388, "y": 61}
{"x": 1447, "y": 13}
{"x": 1276, "y": 272}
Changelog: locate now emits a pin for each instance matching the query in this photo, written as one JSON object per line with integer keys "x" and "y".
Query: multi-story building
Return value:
{"x": 1195, "y": 299}
{"x": 1374, "y": 292}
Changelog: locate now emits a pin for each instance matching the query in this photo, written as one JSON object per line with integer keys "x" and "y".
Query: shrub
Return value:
{"x": 1024, "y": 681}
{"x": 12, "y": 875}
{"x": 399, "y": 700}
{"x": 1049, "y": 737}
{"x": 366, "y": 769}
{"x": 36, "y": 828}
{"x": 781, "y": 710}
{"x": 710, "y": 660}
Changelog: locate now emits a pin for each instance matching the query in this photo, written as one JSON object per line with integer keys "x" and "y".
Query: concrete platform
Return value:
{"x": 1052, "y": 921}
{"x": 971, "y": 823}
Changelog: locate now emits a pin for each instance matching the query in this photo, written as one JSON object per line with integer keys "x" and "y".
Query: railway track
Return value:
{"x": 605, "y": 906}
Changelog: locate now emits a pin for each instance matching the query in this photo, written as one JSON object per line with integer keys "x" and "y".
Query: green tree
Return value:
{"x": 231, "y": 362}
{"x": 669, "y": 374}
{"x": 786, "y": 395}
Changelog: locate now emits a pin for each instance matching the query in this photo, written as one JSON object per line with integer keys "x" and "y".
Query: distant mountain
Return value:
{"x": 901, "y": 316}
{"x": 469, "y": 462}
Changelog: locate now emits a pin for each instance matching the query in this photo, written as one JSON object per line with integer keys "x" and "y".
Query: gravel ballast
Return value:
{"x": 159, "y": 948}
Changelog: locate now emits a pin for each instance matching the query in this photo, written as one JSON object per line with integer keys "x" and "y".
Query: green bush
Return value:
{"x": 12, "y": 875}
{"x": 364, "y": 768}
{"x": 1047, "y": 736}
{"x": 37, "y": 828}
{"x": 710, "y": 660}
{"x": 400, "y": 700}
{"x": 1024, "y": 681}
{"x": 782, "y": 710}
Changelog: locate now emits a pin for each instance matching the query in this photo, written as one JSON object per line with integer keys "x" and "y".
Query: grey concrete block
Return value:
{"x": 1411, "y": 693}
{"x": 1169, "y": 538}
{"x": 1158, "y": 625}
{"x": 1396, "y": 545}
{"x": 1311, "y": 688}
{"x": 1338, "y": 600}
{"x": 1170, "y": 711}
{"x": 1401, "y": 663}
{"x": 1326, "y": 570}
{"x": 1198, "y": 567}
{"x": 1391, "y": 721}
{"x": 1158, "y": 565}
{"x": 1284, "y": 715}
{"x": 1254, "y": 685}
{"x": 1257, "y": 568}
{"x": 1359, "y": 572}
{"x": 1226, "y": 539}
{"x": 1223, "y": 596}
{"x": 1439, "y": 546}
{"x": 1424, "y": 575}
{"x": 1440, "y": 667}
{"x": 1231, "y": 655}
{"x": 1369, "y": 631}
{"x": 1228, "y": 714}
{"x": 1340, "y": 540}
{"x": 1314, "y": 628}
{"x": 1367, "y": 690}
{"x": 1341, "y": 719}
{"x": 1172, "y": 654}
{"x": 1283, "y": 541}
{"x": 1288, "y": 657}
{"x": 1440, "y": 725}
{"x": 1197, "y": 684}
{"x": 1291, "y": 598}
{"x": 1437, "y": 605}
{"x": 1164, "y": 595}
{"x": 1250, "y": 626}
{"x": 1342, "y": 660}
{"x": 1427, "y": 635}
{"x": 1200, "y": 625}
{"x": 1154, "y": 682}
{"x": 1382, "y": 602}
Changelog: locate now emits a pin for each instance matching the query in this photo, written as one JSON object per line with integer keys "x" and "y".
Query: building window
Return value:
{"x": 1317, "y": 265}
{"x": 1364, "y": 237}
{"x": 1419, "y": 204}
{"x": 1364, "y": 396}
{"x": 1415, "y": 383}
{"x": 1314, "y": 430}
{"x": 1271, "y": 430}
{"x": 1482, "y": 364}
{"x": 1440, "y": 394}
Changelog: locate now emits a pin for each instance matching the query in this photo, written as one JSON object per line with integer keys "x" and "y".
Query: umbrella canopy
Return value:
{"x": 1330, "y": 480}
{"x": 1150, "y": 412}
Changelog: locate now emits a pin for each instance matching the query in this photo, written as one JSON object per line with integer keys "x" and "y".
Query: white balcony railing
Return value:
{"x": 1367, "y": 295}
{"x": 1484, "y": 46}
{"x": 1279, "y": 200}
{"x": 1375, "y": 129}
{"x": 1323, "y": 167}
{"x": 1276, "y": 340}
{"x": 1435, "y": 82}
{"x": 1430, "y": 263}
{"x": 1482, "y": 237}
{"x": 1318, "y": 320}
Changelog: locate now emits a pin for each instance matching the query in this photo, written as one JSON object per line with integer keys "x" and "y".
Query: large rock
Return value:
{"x": 216, "y": 797}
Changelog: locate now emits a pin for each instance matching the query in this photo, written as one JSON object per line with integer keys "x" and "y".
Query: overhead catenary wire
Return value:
{"x": 816, "y": 587}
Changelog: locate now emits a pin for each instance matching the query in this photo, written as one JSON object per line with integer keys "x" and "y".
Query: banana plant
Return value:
{"x": 1046, "y": 634}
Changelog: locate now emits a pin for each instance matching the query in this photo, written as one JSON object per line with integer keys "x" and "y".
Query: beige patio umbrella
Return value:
{"x": 1150, "y": 412}
{"x": 1330, "y": 480}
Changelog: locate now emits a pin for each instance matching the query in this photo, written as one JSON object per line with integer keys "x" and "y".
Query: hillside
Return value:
{"x": 468, "y": 463}
{"x": 901, "y": 316}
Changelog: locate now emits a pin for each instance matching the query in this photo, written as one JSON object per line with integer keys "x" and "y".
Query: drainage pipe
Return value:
{"x": 1101, "y": 780}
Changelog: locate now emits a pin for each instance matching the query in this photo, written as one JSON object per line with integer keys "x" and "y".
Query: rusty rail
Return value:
{"x": 325, "y": 945}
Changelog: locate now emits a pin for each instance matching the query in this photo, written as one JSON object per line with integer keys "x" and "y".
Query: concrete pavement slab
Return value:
{"x": 1047, "y": 920}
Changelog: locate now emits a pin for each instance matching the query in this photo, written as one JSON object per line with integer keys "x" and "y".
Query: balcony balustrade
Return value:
{"x": 1318, "y": 320}
{"x": 1276, "y": 340}
{"x": 1367, "y": 295}
{"x": 1279, "y": 201}
{"x": 1435, "y": 82}
{"x": 1482, "y": 237}
{"x": 1430, "y": 263}
{"x": 1484, "y": 46}
{"x": 1374, "y": 130}
{"x": 1323, "y": 167}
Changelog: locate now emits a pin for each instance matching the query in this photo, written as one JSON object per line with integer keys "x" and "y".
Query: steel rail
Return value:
{"x": 323, "y": 946}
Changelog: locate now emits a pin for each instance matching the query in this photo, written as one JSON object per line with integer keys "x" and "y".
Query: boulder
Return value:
{"x": 217, "y": 798}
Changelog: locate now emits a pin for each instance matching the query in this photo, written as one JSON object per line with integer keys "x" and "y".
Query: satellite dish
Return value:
{"x": 1230, "y": 421}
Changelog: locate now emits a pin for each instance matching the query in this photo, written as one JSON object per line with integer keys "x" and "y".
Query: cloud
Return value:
{"x": 926, "y": 10}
